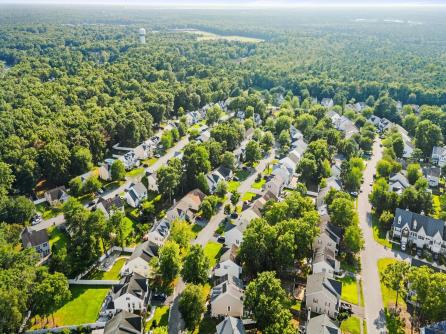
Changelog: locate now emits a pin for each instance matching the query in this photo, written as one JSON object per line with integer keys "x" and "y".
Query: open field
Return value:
{"x": 208, "y": 36}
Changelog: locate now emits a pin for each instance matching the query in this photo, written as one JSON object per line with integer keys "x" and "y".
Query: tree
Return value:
{"x": 384, "y": 168}
{"x": 253, "y": 152}
{"x": 410, "y": 123}
{"x": 195, "y": 161}
{"x": 228, "y": 160}
{"x": 181, "y": 233}
{"x": 381, "y": 198}
{"x": 394, "y": 277}
{"x": 235, "y": 197}
{"x": 81, "y": 161}
{"x": 353, "y": 239}
{"x": 202, "y": 183}
{"x": 427, "y": 136}
{"x": 208, "y": 206}
{"x": 18, "y": 210}
{"x": 117, "y": 170}
{"x": 192, "y": 305}
{"x": 168, "y": 180}
{"x": 6, "y": 179}
{"x": 398, "y": 146}
{"x": 352, "y": 179}
{"x": 75, "y": 186}
{"x": 341, "y": 212}
{"x": 166, "y": 140}
{"x": 307, "y": 168}
{"x": 169, "y": 261}
{"x": 285, "y": 138}
{"x": 213, "y": 114}
{"x": 385, "y": 106}
{"x": 267, "y": 141}
{"x": 268, "y": 302}
{"x": 413, "y": 173}
{"x": 196, "y": 266}
{"x": 221, "y": 189}
{"x": 55, "y": 161}
{"x": 91, "y": 185}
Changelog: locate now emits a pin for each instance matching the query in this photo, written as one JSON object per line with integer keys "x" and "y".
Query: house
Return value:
{"x": 152, "y": 181}
{"x": 187, "y": 207}
{"x": 360, "y": 106}
{"x": 257, "y": 119}
{"x": 138, "y": 262}
{"x": 322, "y": 324}
{"x": 56, "y": 196}
{"x": 229, "y": 253}
{"x": 275, "y": 185}
{"x": 130, "y": 160}
{"x": 38, "y": 240}
{"x": 323, "y": 294}
{"x": 132, "y": 294}
{"x": 213, "y": 178}
{"x": 343, "y": 124}
{"x": 110, "y": 205}
{"x": 258, "y": 205}
{"x": 144, "y": 150}
{"x": 419, "y": 230}
{"x": 105, "y": 169}
{"x": 331, "y": 183}
{"x": 295, "y": 133}
{"x": 299, "y": 146}
{"x": 432, "y": 174}
{"x": 159, "y": 232}
{"x": 124, "y": 323}
{"x": 289, "y": 164}
{"x": 327, "y": 102}
{"x": 135, "y": 194}
{"x": 439, "y": 156}
{"x": 204, "y": 137}
{"x": 227, "y": 267}
{"x": 230, "y": 325}
{"x": 227, "y": 298}
{"x": 324, "y": 261}
{"x": 398, "y": 183}
{"x": 234, "y": 236}
{"x": 241, "y": 114}
{"x": 436, "y": 328}
{"x": 225, "y": 172}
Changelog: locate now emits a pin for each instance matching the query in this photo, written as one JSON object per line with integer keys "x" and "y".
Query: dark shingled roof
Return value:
{"x": 111, "y": 202}
{"x": 134, "y": 284}
{"x": 416, "y": 221}
{"x": 31, "y": 238}
{"x": 124, "y": 323}
{"x": 146, "y": 251}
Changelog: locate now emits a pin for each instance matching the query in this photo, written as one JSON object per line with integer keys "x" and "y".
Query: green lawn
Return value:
{"x": 160, "y": 318}
{"x": 212, "y": 250}
{"x": 196, "y": 229}
{"x": 297, "y": 305}
{"x": 58, "y": 238}
{"x": 129, "y": 226}
{"x": 436, "y": 205}
{"x": 136, "y": 172}
{"x": 388, "y": 295}
{"x": 379, "y": 233}
{"x": 46, "y": 211}
{"x": 233, "y": 185}
{"x": 242, "y": 175}
{"x": 350, "y": 290}
{"x": 83, "y": 307}
{"x": 112, "y": 274}
{"x": 150, "y": 161}
{"x": 248, "y": 196}
{"x": 351, "y": 326}
{"x": 259, "y": 184}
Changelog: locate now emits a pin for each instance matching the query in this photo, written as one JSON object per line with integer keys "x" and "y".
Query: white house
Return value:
{"x": 439, "y": 156}
{"x": 56, "y": 196}
{"x": 398, "y": 183}
{"x": 230, "y": 325}
{"x": 423, "y": 231}
{"x": 227, "y": 267}
{"x": 132, "y": 294}
{"x": 138, "y": 262}
{"x": 235, "y": 235}
{"x": 324, "y": 261}
{"x": 327, "y": 102}
{"x": 38, "y": 240}
{"x": 323, "y": 294}
{"x": 322, "y": 324}
{"x": 105, "y": 170}
{"x": 227, "y": 298}
{"x": 135, "y": 194}
{"x": 432, "y": 174}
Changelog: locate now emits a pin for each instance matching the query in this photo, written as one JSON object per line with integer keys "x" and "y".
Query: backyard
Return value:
{"x": 57, "y": 237}
{"x": 160, "y": 318}
{"x": 112, "y": 274}
{"x": 350, "y": 290}
{"x": 212, "y": 250}
{"x": 248, "y": 196}
{"x": 388, "y": 295}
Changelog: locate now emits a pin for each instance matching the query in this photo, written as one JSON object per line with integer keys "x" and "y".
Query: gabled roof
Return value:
{"x": 145, "y": 251}
{"x": 439, "y": 150}
{"x": 229, "y": 253}
{"x": 222, "y": 268}
{"x": 224, "y": 171}
{"x": 398, "y": 178}
{"x": 139, "y": 188}
{"x": 57, "y": 194}
{"x": 109, "y": 203}
{"x": 192, "y": 200}
{"x": 231, "y": 286}
{"x": 124, "y": 323}
{"x": 432, "y": 171}
{"x": 31, "y": 238}
{"x": 415, "y": 221}
{"x": 321, "y": 282}
{"x": 325, "y": 254}
{"x": 322, "y": 324}
{"x": 134, "y": 284}
{"x": 230, "y": 325}
{"x": 437, "y": 328}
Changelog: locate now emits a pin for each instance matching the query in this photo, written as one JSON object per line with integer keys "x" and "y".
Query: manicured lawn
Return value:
{"x": 112, "y": 274}
{"x": 379, "y": 233}
{"x": 350, "y": 290}
{"x": 351, "y": 326}
{"x": 242, "y": 174}
{"x": 129, "y": 227}
{"x": 436, "y": 206}
{"x": 46, "y": 211}
{"x": 388, "y": 295}
{"x": 233, "y": 185}
{"x": 248, "y": 196}
{"x": 212, "y": 250}
{"x": 196, "y": 229}
{"x": 57, "y": 238}
{"x": 150, "y": 161}
{"x": 83, "y": 307}
{"x": 160, "y": 318}
{"x": 135, "y": 172}
{"x": 259, "y": 184}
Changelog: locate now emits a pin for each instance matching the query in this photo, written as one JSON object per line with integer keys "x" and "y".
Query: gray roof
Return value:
{"x": 224, "y": 171}
{"x": 139, "y": 188}
{"x": 31, "y": 238}
{"x": 416, "y": 221}
{"x": 439, "y": 150}
{"x": 57, "y": 193}
{"x": 325, "y": 254}
{"x": 437, "y": 328}
{"x": 320, "y": 282}
{"x": 109, "y": 203}
{"x": 145, "y": 251}
{"x": 322, "y": 324}
{"x": 124, "y": 323}
{"x": 432, "y": 171}
{"x": 230, "y": 325}
{"x": 399, "y": 178}
{"x": 134, "y": 284}
{"x": 227, "y": 284}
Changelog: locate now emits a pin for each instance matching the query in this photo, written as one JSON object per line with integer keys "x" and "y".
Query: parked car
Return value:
{"x": 159, "y": 296}
{"x": 221, "y": 239}
{"x": 346, "y": 306}
{"x": 157, "y": 156}
{"x": 234, "y": 215}
{"x": 354, "y": 193}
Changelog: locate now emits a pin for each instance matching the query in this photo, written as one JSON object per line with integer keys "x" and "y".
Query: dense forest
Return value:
{"x": 76, "y": 81}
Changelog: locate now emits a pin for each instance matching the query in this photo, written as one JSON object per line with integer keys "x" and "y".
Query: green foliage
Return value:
{"x": 181, "y": 233}
{"x": 192, "y": 305}
{"x": 196, "y": 266}
{"x": 427, "y": 136}
{"x": 117, "y": 170}
{"x": 169, "y": 261}
{"x": 253, "y": 152}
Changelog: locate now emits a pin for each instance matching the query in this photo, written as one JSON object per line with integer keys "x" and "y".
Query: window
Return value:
{"x": 229, "y": 308}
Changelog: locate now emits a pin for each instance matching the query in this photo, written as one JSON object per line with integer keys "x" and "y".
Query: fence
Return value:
{"x": 92, "y": 282}
{"x": 96, "y": 325}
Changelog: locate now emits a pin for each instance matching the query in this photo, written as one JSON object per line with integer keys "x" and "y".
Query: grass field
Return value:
{"x": 136, "y": 172}
{"x": 208, "y": 36}
{"x": 112, "y": 274}
{"x": 83, "y": 307}
{"x": 351, "y": 326}
{"x": 248, "y": 196}
{"x": 436, "y": 205}
{"x": 388, "y": 295}
{"x": 58, "y": 238}
{"x": 233, "y": 185}
{"x": 350, "y": 290}
{"x": 212, "y": 250}
{"x": 379, "y": 233}
{"x": 160, "y": 318}
{"x": 259, "y": 184}
{"x": 129, "y": 227}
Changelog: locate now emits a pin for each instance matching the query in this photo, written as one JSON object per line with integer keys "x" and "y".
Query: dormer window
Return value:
{"x": 399, "y": 219}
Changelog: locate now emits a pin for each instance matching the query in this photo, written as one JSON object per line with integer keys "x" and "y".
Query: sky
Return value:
{"x": 241, "y": 3}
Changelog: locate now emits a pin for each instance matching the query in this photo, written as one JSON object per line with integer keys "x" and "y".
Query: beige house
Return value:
{"x": 227, "y": 298}
{"x": 323, "y": 294}
{"x": 138, "y": 262}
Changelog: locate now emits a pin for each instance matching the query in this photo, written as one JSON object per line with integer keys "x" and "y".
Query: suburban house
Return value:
{"x": 382, "y": 124}
{"x": 230, "y": 325}
{"x": 227, "y": 267}
{"x": 187, "y": 207}
{"x": 324, "y": 261}
{"x": 295, "y": 133}
{"x": 360, "y": 106}
{"x": 278, "y": 182}
{"x": 204, "y": 136}
{"x": 213, "y": 178}
{"x": 398, "y": 183}
{"x": 241, "y": 114}
{"x": 229, "y": 253}
{"x": 327, "y": 102}
{"x": 439, "y": 156}
{"x": 299, "y": 146}
{"x": 130, "y": 160}
{"x": 234, "y": 236}
{"x": 227, "y": 298}
{"x": 138, "y": 262}
{"x": 132, "y": 294}
{"x": 331, "y": 183}
{"x": 152, "y": 181}
{"x": 408, "y": 146}
{"x": 110, "y": 205}
{"x": 323, "y": 294}
{"x": 420, "y": 230}
{"x": 159, "y": 232}
{"x": 136, "y": 193}
{"x": 124, "y": 323}
{"x": 322, "y": 324}
{"x": 38, "y": 240}
{"x": 56, "y": 196}
{"x": 258, "y": 205}
{"x": 105, "y": 170}
{"x": 432, "y": 174}
{"x": 343, "y": 124}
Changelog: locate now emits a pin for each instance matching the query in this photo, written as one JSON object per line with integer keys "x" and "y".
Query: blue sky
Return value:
{"x": 244, "y": 3}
